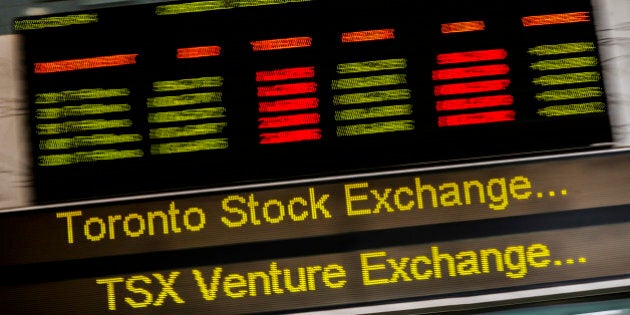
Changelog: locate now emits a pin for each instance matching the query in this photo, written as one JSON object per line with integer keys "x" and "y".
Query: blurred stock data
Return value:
{"x": 314, "y": 156}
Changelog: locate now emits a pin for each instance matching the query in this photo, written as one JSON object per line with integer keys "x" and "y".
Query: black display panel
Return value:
{"x": 174, "y": 96}
{"x": 433, "y": 240}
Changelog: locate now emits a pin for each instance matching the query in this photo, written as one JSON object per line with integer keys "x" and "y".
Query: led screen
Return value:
{"x": 182, "y": 95}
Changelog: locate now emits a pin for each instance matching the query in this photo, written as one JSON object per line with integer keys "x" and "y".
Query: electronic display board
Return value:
{"x": 186, "y": 95}
{"x": 349, "y": 244}
{"x": 315, "y": 156}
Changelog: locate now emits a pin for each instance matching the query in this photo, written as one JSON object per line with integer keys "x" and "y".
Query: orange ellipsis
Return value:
{"x": 459, "y": 27}
{"x": 85, "y": 63}
{"x": 471, "y": 87}
{"x": 470, "y": 72}
{"x": 288, "y": 105}
{"x": 288, "y": 121}
{"x": 285, "y": 74}
{"x": 198, "y": 52}
{"x": 291, "y": 136}
{"x": 281, "y": 43}
{"x": 475, "y": 102}
{"x": 287, "y": 89}
{"x": 472, "y": 56}
{"x": 477, "y": 118}
{"x": 551, "y": 19}
{"x": 364, "y": 36}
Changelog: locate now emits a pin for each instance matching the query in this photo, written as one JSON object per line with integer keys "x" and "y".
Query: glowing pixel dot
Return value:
{"x": 558, "y": 262}
{"x": 552, "y": 194}
{"x": 582, "y": 260}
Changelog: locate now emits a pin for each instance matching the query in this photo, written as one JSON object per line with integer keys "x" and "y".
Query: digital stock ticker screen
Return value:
{"x": 316, "y": 157}
{"x": 191, "y": 95}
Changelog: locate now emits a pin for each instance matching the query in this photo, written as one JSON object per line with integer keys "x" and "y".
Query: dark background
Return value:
{"x": 135, "y": 29}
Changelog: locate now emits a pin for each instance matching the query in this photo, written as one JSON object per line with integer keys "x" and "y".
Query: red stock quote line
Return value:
{"x": 460, "y": 27}
{"x": 471, "y": 87}
{"x": 288, "y": 105}
{"x": 198, "y": 52}
{"x": 85, "y": 63}
{"x": 277, "y": 113}
{"x": 464, "y": 88}
{"x": 472, "y": 56}
{"x": 280, "y": 107}
{"x": 285, "y": 74}
{"x": 470, "y": 72}
{"x": 364, "y": 36}
{"x": 477, "y": 118}
{"x": 281, "y": 43}
{"x": 291, "y": 136}
{"x": 474, "y": 102}
{"x": 288, "y": 121}
{"x": 561, "y": 18}
{"x": 287, "y": 89}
